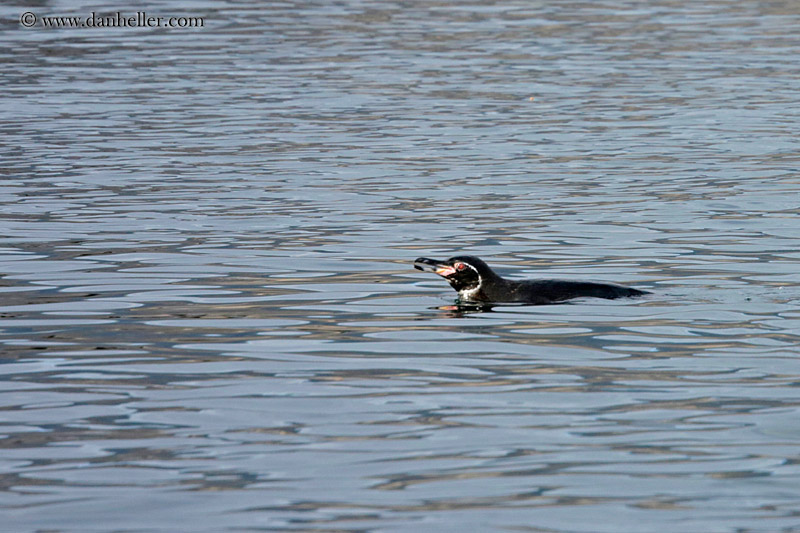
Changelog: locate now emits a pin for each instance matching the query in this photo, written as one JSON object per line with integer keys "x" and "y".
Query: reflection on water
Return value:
{"x": 209, "y": 310}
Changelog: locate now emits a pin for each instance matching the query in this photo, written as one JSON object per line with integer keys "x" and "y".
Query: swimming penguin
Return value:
{"x": 477, "y": 283}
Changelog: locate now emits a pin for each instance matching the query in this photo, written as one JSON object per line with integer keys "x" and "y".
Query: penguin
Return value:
{"x": 477, "y": 283}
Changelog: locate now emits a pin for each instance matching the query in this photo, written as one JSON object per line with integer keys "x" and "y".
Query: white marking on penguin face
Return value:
{"x": 468, "y": 293}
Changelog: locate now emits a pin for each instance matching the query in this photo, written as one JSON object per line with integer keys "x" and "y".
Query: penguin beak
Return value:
{"x": 432, "y": 265}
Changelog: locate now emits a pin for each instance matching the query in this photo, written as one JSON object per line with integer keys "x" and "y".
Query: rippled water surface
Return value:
{"x": 209, "y": 319}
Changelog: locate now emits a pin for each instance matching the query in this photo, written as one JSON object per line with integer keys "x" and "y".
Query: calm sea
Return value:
{"x": 209, "y": 319}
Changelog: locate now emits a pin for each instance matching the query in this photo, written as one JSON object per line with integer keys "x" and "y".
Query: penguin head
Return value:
{"x": 463, "y": 272}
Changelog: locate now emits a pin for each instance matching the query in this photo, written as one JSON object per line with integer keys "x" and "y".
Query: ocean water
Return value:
{"x": 209, "y": 318}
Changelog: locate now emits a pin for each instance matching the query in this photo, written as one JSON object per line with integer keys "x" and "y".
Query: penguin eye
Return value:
{"x": 460, "y": 266}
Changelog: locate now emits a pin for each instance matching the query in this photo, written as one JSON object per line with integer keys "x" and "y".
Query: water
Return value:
{"x": 209, "y": 317}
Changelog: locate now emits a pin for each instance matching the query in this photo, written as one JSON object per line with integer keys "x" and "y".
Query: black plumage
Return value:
{"x": 477, "y": 283}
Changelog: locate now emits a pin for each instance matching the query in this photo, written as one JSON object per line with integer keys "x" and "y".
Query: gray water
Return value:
{"x": 209, "y": 317}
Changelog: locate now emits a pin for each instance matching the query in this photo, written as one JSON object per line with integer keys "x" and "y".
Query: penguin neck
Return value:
{"x": 490, "y": 287}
